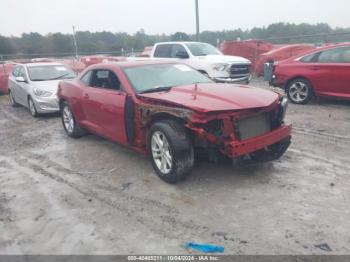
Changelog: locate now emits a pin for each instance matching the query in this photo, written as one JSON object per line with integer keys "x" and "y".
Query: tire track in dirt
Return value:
{"x": 146, "y": 211}
{"x": 305, "y": 131}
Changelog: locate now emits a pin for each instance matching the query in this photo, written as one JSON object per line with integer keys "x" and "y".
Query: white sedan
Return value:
{"x": 34, "y": 85}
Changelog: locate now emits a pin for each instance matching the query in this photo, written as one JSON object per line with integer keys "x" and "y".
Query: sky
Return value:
{"x": 163, "y": 16}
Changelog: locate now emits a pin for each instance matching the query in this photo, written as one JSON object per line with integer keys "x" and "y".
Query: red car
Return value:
{"x": 170, "y": 110}
{"x": 324, "y": 72}
{"x": 280, "y": 54}
{"x": 5, "y": 71}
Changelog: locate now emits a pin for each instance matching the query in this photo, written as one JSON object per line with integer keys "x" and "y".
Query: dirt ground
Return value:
{"x": 91, "y": 196}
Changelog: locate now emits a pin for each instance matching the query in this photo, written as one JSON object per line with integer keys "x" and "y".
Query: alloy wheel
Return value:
{"x": 298, "y": 92}
{"x": 161, "y": 152}
{"x": 68, "y": 119}
{"x": 12, "y": 101}
{"x": 32, "y": 107}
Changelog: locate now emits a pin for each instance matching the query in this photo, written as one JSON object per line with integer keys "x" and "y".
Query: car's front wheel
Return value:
{"x": 12, "y": 99}
{"x": 69, "y": 122}
{"x": 171, "y": 150}
{"x": 32, "y": 107}
{"x": 299, "y": 91}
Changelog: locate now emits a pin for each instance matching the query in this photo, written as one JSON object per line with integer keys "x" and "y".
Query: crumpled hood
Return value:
{"x": 224, "y": 59}
{"x": 216, "y": 97}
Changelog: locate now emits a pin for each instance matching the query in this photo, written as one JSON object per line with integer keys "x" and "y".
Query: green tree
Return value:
{"x": 180, "y": 36}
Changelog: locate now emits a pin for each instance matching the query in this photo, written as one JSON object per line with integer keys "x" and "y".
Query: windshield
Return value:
{"x": 51, "y": 72}
{"x": 152, "y": 77}
{"x": 202, "y": 49}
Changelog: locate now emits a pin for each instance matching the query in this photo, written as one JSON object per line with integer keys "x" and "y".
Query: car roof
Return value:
{"x": 42, "y": 64}
{"x": 181, "y": 42}
{"x": 319, "y": 49}
{"x": 136, "y": 63}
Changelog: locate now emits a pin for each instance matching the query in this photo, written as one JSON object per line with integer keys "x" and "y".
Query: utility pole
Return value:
{"x": 75, "y": 43}
{"x": 197, "y": 21}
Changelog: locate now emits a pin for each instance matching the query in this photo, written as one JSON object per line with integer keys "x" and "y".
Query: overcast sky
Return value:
{"x": 163, "y": 16}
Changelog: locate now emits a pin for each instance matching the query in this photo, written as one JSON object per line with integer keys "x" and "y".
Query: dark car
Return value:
{"x": 169, "y": 110}
{"x": 324, "y": 72}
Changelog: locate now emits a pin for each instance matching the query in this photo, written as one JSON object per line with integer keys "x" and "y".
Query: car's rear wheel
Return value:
{"x": 12, "y": 99}
{"x": 32, "y": 108}
{"x": 299, "y": 91}
{"x": 69, "y": 122}
{"x": 171, "y": 150}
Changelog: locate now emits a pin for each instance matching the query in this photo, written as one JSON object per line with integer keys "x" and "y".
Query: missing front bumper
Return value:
{"x": 241, "y": 148}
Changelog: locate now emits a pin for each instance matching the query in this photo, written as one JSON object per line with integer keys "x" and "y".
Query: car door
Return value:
{"x": 22, "y": 87}
{"x": 103, "y": 105}
{"x": 12, "y": 83}
{"x": 179, "y": 53}
{"x": 332, "y": 72}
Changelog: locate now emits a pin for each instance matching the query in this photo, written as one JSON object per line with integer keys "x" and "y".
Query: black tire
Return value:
{"x": 76, "y": 131}
{"x": 180, "y": 149}
{"x": 32, "y": 108}
{"x": 12, "y": 99}
{"x": 299, "y": 91}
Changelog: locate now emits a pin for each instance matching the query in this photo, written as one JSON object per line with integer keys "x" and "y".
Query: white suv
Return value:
{"x": 205, "y": 58}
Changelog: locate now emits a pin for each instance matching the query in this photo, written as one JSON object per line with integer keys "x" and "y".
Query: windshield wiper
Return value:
{"x": 38, "y": 80}
{"x": 59, "y": 77}
{"x": 156, "y": 89}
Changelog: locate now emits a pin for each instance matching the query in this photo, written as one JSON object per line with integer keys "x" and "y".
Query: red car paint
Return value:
{"x": 328, "y": 79}
{"x": 5, "y": 71}
{"x": 147, "y": 51}
{"x": 95, "y": 59}
{"x": 280, "y": 54}
{"x": 216, "y": 97}
{"x": 249, "y": 49}
{"x": 103, "y": 111}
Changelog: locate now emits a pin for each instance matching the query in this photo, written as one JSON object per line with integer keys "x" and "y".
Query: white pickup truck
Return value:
{"x": 205, "y": 58}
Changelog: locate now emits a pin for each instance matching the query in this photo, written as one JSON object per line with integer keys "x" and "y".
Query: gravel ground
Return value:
{"x": 91, "y": 196}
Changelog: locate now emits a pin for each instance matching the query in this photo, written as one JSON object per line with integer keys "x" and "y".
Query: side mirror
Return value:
{"x": 20, "y": 79}
{"x": 181, "y": 54}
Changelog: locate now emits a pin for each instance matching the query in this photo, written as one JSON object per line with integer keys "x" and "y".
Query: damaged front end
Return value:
{"x": 252, "y": 134}
{"x": 258, "y": 134}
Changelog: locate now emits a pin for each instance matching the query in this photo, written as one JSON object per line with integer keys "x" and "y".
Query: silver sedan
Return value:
{"x": 34, "y": 85}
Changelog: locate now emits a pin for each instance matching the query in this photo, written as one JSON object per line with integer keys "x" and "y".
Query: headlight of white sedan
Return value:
{"x": 42, "y": 93}
{"x": 220, "y": 67}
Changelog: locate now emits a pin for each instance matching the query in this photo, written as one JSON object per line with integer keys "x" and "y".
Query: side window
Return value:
{"x": 15, "y": 71}
{"x": 21, "y": 72}
{"x": 163, "y": 51}
{"x": 309, "y": 58}
{"x": 337, "y": 55}
{"x": 86, "y": 78}
{"x": 346, "y": 56}
{"x": 176, "y": 49}
{"x": 105, "y": 79}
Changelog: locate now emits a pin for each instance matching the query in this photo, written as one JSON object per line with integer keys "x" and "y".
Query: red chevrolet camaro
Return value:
{"x": 170, "y": 110}
{"x": 324, "y": 72}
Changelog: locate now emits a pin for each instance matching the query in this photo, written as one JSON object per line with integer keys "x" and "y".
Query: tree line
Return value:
{"x": 104, "y": 42}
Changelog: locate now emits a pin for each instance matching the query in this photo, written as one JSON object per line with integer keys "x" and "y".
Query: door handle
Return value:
{"x": 315, "y": 68}
{"x": 86, "y": 96}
